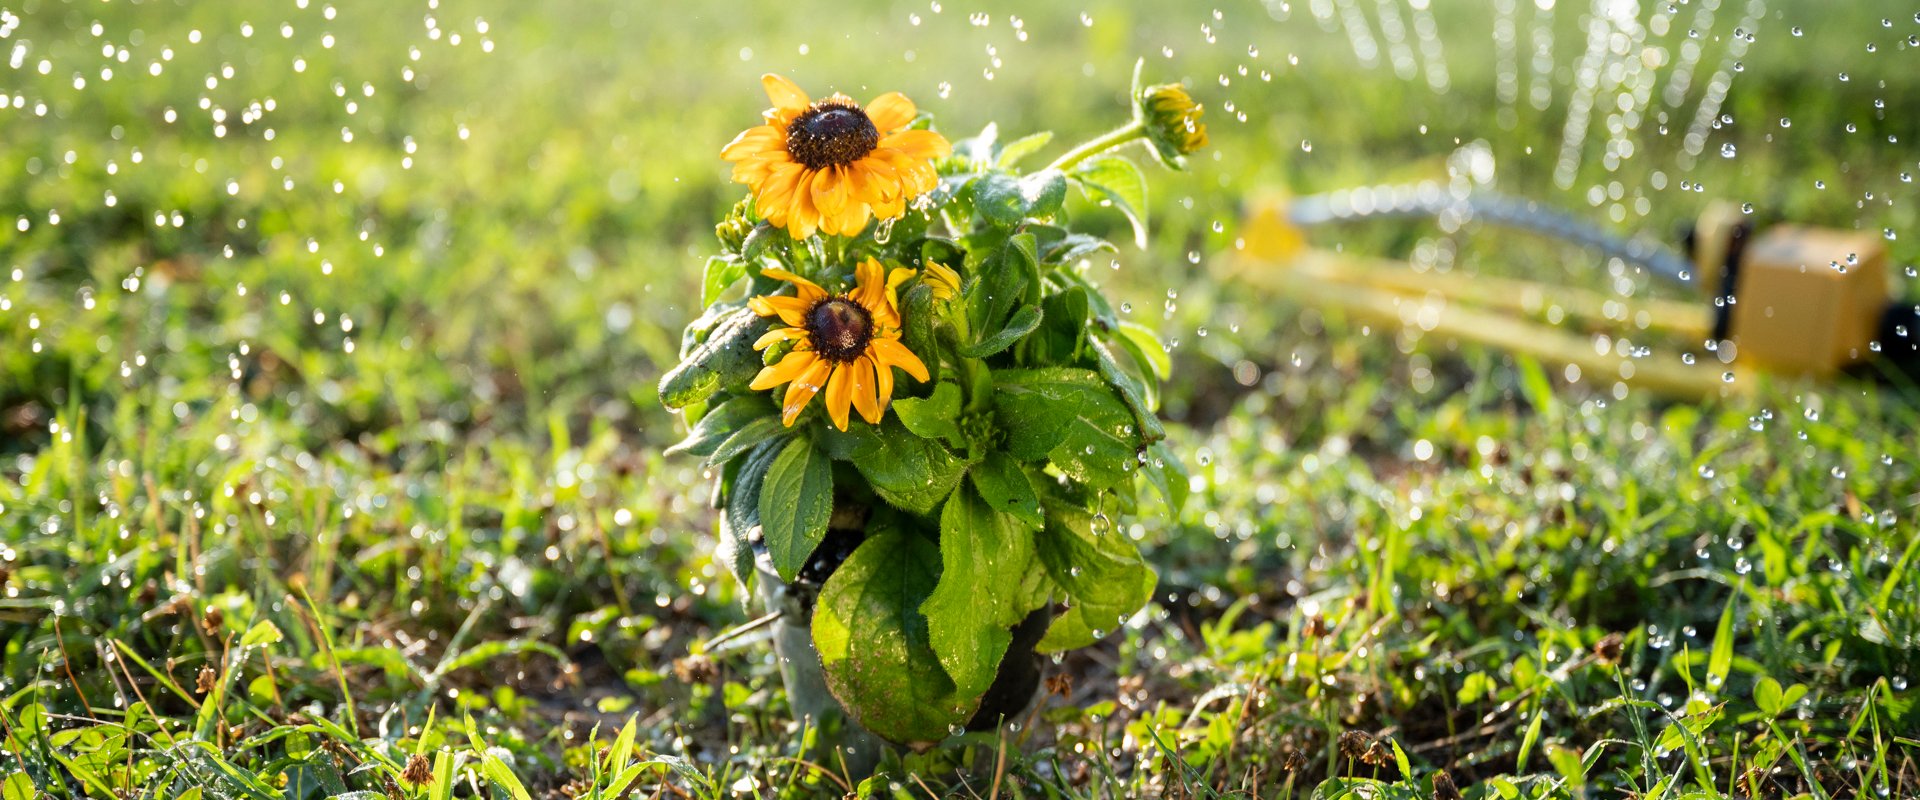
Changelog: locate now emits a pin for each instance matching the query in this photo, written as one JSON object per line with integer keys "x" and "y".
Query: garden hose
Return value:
{"x": 1430, "y": 199}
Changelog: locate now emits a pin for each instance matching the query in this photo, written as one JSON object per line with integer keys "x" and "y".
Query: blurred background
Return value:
{"x": 365, "y": 301}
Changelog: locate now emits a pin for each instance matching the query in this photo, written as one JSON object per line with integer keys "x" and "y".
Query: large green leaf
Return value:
{"x": 1168, "y": 474}
{"x": 984, "y": 558}
{"x": 1139, "y": 393}
{"x": 1064, "y": 331}
{"x": 721, "y": 272}
{"x": 874, "y": 644}
{"x": 1008, "y": 277}
{"x": 934, "y": 416}
{"x": 1070, "y": 416}
{"x": 1007, "y": 200}
{"x": 735, "y": 546}
{"x": 723, "y": 421}
{"x": 1023, "y": 322}
{"x": 1118, "y": 181}
{"x": 905, "y": 470}
{"x": 795, "y": 503}
{"x": 1005, "y": 486}
{"x": 1021, "y": 148}
{"x": 726, "y": 358}
{"x": 1102, "y": 574}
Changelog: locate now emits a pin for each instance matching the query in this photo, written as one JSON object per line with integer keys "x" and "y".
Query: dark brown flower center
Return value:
{"x": 831, "y": 133}
{"x": 839, "y": 328}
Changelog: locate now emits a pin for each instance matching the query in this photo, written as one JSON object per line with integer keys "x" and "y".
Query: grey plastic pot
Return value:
{"x": 839, "y": 738}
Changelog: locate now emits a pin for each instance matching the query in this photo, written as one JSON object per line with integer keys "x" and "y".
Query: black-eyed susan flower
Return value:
{"x": 831, "y": 164}
{"x": 846, "y": 345}
{"x": 1172, "y": 122}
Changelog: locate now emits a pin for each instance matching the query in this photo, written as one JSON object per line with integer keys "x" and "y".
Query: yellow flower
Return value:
{"x": 1173, "y": 121}
{"x": 846, "y": 345}
{"x": 830, "y": 164}
{"x": 945, "y": 282}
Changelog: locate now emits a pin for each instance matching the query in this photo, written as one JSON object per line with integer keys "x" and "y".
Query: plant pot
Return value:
{"x": 1014, "y": 689}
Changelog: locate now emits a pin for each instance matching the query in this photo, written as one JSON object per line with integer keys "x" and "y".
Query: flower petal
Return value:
{"x": 890, "y": 352}
{"x": 808, "y": 290}
{"x": 874, "y": 180}
{"x": 772, "y": 196}
{"x": 754, "y": 141}
{"x": 839, "y": 395}
{"x": 792, "y": 366}
{"x": 870, "y": 286}
{"x": 783, "y": 93}
{"x": 891, "y": 111}
{"x": 919, "y": 144}
{"x": 866, "y": 397}
{"x": 779, "y": 335}
{"x": 803, "y": 389}
{"x": 853, "y": 220}
{"x": 882, "y": 382}
{"x": 791, "y": 310}
{"x": 803, "y": 218}
{"x": 830, "y": 191}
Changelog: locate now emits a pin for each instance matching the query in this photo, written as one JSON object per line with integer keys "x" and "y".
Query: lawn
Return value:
{"x": 331, "y": 455}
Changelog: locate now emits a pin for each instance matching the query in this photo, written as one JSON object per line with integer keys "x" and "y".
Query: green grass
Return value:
{"x": 372, "y": 488}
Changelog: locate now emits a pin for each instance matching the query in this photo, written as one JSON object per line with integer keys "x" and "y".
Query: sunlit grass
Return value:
{"x": 296, "y": 485}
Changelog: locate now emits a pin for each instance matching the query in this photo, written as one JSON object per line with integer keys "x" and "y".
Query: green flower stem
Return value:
{"x": 1107, "y": 141}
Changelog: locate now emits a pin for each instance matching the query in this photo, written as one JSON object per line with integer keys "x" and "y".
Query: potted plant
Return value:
{"x": 921, "y": 412}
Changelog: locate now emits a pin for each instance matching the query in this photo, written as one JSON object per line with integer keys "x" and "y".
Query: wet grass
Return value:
{"x": 312, "y": 488}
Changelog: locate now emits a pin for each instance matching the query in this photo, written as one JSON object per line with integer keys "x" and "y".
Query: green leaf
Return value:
{"x": 920, "y": 319}
{"x": 1168, "y": 474}
{"x": 931, "y": 417}
{"x": 1007, "y": 276}
{"x": 1119, "y": 181}
{"x": 18, "y": 786}
{"x": 726, "y": 358}
{"x": 1102, "y": 574}
{"x": 262, "y": 633}
{"x": 622, "y": 746}
{"x": 720, "y": 273}
{"x": 1140, "y": 341}
{"x": 489, "y": 650}
{"x": 984, "y": 556}
{"x": 1767, "y": 694}
{"x": 1057, "y": 246}
{"x": 795, "y": 503}
{"x": 754, "y": 433}
{"x": 1720, "y": 658}
{"x": 502, "y": 777}
{"x": 1007, "y": 200}
{"x": 1006, "y": 487}
{"x": 734, "y": 548}
{"x": 874, "y": 643}
{"x": 443, "y": 766}
{"x": 978, "y": 148}
{"x": 1070, "y": 416}
{"x": 1021, "y": 148}
{"x": 1527, "y": 742}
{"x": 1400, "y": 759}
{"x": 1138, "y": 396}
{"x": 1024, "y": 321}
{"x": 905, "y": 470}
{"x": 721, "y": 422}
{"x": 757, "y": 240}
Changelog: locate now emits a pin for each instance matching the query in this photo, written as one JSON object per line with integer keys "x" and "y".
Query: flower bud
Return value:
{"x": 732, "y": 231}
{"x": 1172, "y": 121}
{"x": 945, "y": 282}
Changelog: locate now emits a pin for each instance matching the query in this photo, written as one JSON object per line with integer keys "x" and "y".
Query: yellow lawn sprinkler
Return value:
{"x": 1786, "y": 300}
